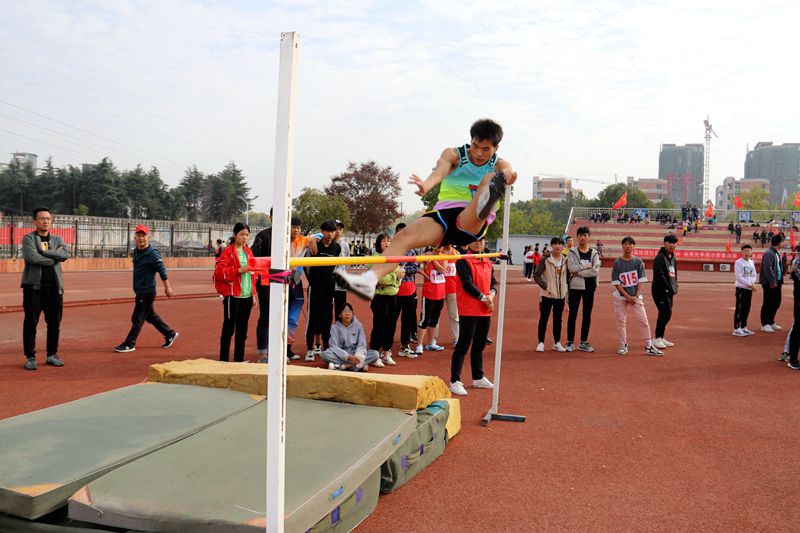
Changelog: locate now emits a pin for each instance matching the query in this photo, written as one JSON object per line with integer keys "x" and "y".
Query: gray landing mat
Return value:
{"x": 215, "y": 481}
{"x": 49, "y": 454}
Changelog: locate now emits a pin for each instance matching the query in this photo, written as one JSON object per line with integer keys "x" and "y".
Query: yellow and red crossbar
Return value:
{"x": 263, "y": 264}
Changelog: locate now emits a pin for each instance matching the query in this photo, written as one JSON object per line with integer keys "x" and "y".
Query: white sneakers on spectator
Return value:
{"x": 540, "y": 347}
{"x": 739, "y": 332}
{"x": 767, "y": 329}
{"x": 378, "y": 363}
{"x": 458, "y": 388}
{"x": 661, "y": 343}
{"x": 482, "y": 383}
{"x": 387, "y": 358}
{"x": 776, "y": 327}
{"x": 310, "y": 356}
{"x": 558, "y": 348}
{"x": 748, "y": 331}
{"x": 418, "y": 351}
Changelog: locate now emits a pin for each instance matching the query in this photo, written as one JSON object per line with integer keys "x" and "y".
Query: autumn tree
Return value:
{"x": 370, "y": 193}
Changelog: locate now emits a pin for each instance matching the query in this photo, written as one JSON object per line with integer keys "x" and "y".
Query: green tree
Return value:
{"x": 313, "y": 207}
{"x": 755, "y": 199}
{"x": 192, "y": 187}
{"x": 429, "y": 198}
{"x": 666, "y": 203}
{"x": 520, "y": 223}
{"x": 370, "y": 192}
{"x": 609, "y": 196}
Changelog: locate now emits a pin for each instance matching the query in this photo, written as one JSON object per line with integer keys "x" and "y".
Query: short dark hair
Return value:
{"x": 583, "y": 230}
{"x": 746, "y": 246}
{"x": 556, "y": 240}
{"x": 328, "y": 225}
{"x": 346, "y": 305}
{"x": 671, "y": 238}
{"x": 239, "y": 226}
{"x": 379, "y": 242}
{"x": 37, "y": 210}
{"x": 628, "y": 239}
{"x": 486, "y": 129}
{"x": 219, "y": 241}
{"x": 296, "y": 221}
{"x": 398, "y": 227}
{"x": 776, "y": 239}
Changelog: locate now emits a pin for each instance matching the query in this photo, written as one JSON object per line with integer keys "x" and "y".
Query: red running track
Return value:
{"x": 702, "y": 439}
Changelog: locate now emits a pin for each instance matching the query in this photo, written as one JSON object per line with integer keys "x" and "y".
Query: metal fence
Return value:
{"x": 745, "y": 216}
{"x": 113, "y": 237}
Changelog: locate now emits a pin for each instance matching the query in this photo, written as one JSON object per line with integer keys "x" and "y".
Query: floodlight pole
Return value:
{"x": 279, "y": 293}
{"x": 492, "y": 414}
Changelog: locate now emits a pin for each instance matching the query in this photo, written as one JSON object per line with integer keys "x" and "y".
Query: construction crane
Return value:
{"x": 707, "y": 159}
{"x": 573, "y": 178}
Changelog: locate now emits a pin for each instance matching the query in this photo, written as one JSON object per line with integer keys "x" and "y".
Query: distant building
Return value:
{"x": 554, "y": 189}
{"x": 682, "y": 168}
{"x": 26, "y": 158}
{"x": 779, "y": 164}
{"x": 731, "y": 188}
{"x": 655, "y": 189}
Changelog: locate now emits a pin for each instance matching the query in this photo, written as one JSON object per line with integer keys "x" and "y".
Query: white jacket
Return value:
{"x": 746, "y": 275}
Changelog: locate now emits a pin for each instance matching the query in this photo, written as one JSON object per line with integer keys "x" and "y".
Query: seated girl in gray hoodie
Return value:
{"x": 348, "y": 344}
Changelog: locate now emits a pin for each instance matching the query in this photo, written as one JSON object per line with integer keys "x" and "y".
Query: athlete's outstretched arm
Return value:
{"x": 447, "y": 161}
{"x": 510, "y": 173}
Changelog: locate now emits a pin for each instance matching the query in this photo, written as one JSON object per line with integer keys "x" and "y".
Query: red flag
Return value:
{"x": 728, "y": 248}
{"x": 738, "y": 202}
{"x": 797, "y": 199}
{"x": 623, "y": 201}
{"x": 791, "y": 238}
{"x": 710, "y": 210}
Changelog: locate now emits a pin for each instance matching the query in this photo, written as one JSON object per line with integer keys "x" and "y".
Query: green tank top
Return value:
{"x": 458, "y": 187}
{"x": 246, "y": 279}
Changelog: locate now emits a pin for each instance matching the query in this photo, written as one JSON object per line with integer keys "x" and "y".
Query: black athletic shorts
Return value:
{"x": 431, "y": 313}
{"x": 448, "y": 219}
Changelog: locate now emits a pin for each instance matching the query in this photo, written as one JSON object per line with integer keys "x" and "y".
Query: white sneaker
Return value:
{"x": 767, "y": 329}
{"x": 387, "y": 358}
{"x": 540, "y": 347}
{"x": 776, "y": 327}
{"x": 748, "y": 331}
{"x": 458, "y": 388}
{"x": 361, "y": 284}
{"x": 332, "y": 366}
{"x": 570, "y": 346}
{"x": 310, "y": 356}
{"x": 667, "y": 343}
{"x": 738, "y": 332}
{"x": 317, "y": 350}
{"x": 623, "y": 349}
{"x": 482, "y": 383}
{"x": 659, "y": 343}
{"x": 652, "y": 350}
{"x": 378, "y": 363}
{"x": 558, "y": 348}
{"x": 418, "y": 351}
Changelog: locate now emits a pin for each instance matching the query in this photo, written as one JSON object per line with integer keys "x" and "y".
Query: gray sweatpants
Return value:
{"x": 452, "y": 315}
{"x": 338, "y": 356}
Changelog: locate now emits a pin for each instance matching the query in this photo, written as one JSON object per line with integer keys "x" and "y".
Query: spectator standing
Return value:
{"x": 407, "y": 302}
{"x": 771, "y": 280}
{"x": 627, "y": 276}
{"x": 475, "y": 292}
{"x": 147, "y": 262}
{"x": 262, "y": 247}
{"x": 510, "y": 260}
{"x": 384, "y": 308}
{"x": 527, "y": 263}
{"x": 321, "y": 288}
{"x": 433, "y": 295}
{"x": 299, "y": 245}
{"x": 450, "y": 301}
{"x": 664, "y": 288}
{"x": 340, "y": 292}
{"x": 235, "y": 284}
{"x": 348, "y": 344}
{"x": 218, "y": 250}
{"x": 600, "y": 248}
{"x": 42, "y": 287}
{"x": 551, "y": 275}
{"x": 746, "y": 279}
{"x": 738, "y": 230}
{"x": 583, "y": 263}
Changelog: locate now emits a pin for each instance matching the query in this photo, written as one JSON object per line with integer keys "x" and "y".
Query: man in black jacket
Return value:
{"x": 664, "y": 287}
{"x": 321, "y": 288}
{"x": 262, "y": 247}
{"x": 146, "y": 263}
{"x": 771, "y": 280}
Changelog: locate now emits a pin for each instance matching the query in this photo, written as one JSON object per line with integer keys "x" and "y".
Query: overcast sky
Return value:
{"x": 582, "y": 89}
